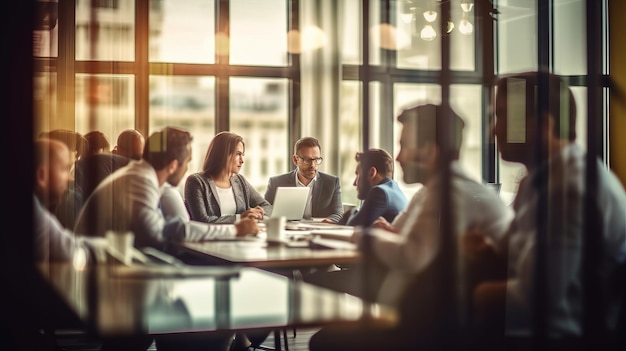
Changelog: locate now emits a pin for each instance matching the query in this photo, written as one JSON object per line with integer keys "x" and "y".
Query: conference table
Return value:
{"x": 303, "y": 246}
{"x": 116, "y": 300}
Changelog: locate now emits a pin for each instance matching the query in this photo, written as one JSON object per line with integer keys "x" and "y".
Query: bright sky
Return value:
{"x": 188, "y": 31}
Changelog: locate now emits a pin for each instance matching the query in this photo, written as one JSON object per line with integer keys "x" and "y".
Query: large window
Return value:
{"x": 402, "y": 69}
{"x": 516, "y": 51}
{"x": 276, "y": 70}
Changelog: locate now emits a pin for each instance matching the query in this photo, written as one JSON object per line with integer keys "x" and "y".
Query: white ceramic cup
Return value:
{"x": 275, "y": 228}
{"x": 121, "y": 245}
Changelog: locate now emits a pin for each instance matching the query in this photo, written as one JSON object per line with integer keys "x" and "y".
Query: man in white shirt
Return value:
{"x": 556, "y": 185}
{"x": 129, "y": 198}
{"x": 411, "y": 254}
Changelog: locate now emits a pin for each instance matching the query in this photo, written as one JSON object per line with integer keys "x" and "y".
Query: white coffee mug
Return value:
{"x": 121, "y": 245}
{"x": 275, "y": 228}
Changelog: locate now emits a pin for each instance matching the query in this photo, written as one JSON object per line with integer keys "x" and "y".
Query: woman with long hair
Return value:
{"x": 218, "y": 193}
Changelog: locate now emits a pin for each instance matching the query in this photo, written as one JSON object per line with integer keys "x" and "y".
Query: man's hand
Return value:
{"x": 356, "y": 235}
{"x": 474, "y": 245}
{"x": 246, "y": 226}
{"x": 382, "y": 223}
{"x": 489, "y": 301}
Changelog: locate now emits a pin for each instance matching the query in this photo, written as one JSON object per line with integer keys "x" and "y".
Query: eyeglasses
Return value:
{"x": 308, "y": 161}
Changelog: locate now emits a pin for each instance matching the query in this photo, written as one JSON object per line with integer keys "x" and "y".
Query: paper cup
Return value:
{"x": 121, "y": 245}
{"x": 275, "y": 228}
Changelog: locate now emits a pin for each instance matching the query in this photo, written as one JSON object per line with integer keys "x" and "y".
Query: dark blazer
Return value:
{"x": 384, "y": 199}
{"x": 203, "y": 205}
{"x": 326, "y": 196}
{"x": 91, "y": 170}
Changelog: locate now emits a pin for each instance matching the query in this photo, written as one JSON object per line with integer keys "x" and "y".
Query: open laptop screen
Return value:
{"x": 290, "y": 202}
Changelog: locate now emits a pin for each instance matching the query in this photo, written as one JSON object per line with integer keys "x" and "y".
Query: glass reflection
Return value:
{"x": 420, "y": 23}
{"x": 254, "y": 40}
{"x": 407, "y": 95}
{"x": 105, "y": 32}
{"x": 182, "y": 31}
{"x": 188, "y": 103}
{"x": 258, "y": 112}
{"x": 350, "y": 127}
{"x": 106, "y": 103}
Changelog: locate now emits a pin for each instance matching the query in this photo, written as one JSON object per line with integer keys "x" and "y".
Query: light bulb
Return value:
{"x": 466, "y": 5}
{"x": 428, "y": 33}
{"x": 450, "y": 27}
{"x": 465, "y": 27}
{"x": 406, "y": 17}
{"x": 430, "y": 16}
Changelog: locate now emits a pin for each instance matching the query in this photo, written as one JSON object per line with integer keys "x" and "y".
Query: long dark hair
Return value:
{"x": 218, "y": 154}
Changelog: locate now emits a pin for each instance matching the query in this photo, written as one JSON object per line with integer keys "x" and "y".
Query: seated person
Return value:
{"x": 374, "y": 182}
{"x": 52, "y": 163}
{"x": 67, "y": 209}
{"x": 97, "y": 143}
{"x": 555, "y": 184}
{"x": 403, "y": 269}
{"x": 129, "y": 199}
{"x": 91, "y": 171}
{"x": 219, "y": 194}
{"x": 130, "y": 143}
{"x": 172, "y": 203}
{"x": 93, "y": 168}
{"x": 325, "y": 195}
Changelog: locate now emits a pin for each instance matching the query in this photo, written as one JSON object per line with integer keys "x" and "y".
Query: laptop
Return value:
{"x": 290, "y": 202}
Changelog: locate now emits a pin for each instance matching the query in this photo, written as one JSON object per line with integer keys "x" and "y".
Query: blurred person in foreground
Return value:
{"x": 68, "y": 207}
{"x": 325, "y": 195}
{"x": 556, "y": 181}
{"x": 404, "y": 269}
{"x": 52, "y": 165}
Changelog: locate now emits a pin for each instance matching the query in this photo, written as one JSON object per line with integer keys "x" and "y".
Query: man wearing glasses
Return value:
{"x": 325, "y": 195}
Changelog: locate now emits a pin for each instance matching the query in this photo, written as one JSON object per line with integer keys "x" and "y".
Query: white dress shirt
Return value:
{"x": 129, "y": 200}
{"x": 172, "y": 203}
{"x": 417, "y": 244}
{"x": 308, "y": 211}
{"x": 565, "y": 176}
{"x": 52, "y": 241}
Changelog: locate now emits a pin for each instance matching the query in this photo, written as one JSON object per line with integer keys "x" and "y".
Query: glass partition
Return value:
{"x": 105, "y": 32}
{"x": 258, "y": 112}
{"x": 186, "y": 102}
{"x": 258, "y": 32}
{"x": 182, "y": 31}
{"x": 105, "y": 103}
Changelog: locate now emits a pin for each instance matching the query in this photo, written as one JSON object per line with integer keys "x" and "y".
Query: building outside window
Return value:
{"x": 275, "y": 70}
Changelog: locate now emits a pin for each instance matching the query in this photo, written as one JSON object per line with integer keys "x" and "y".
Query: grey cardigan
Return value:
{"x": 203, "y": 205}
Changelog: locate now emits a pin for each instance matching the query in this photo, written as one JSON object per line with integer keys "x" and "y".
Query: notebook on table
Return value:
{"x": 290, "y": 202}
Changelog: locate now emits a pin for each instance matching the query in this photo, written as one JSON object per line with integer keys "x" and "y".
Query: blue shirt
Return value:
{"x": 384, "y": 199}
